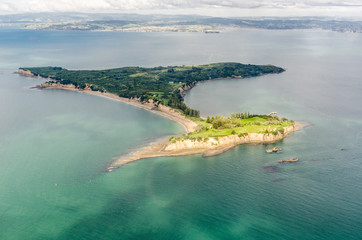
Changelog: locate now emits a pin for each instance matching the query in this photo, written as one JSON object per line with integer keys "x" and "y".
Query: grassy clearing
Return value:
{"x": 224, "y": 126}
{"x": 141, "y": 74}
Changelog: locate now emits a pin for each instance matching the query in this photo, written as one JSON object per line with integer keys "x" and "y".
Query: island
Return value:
{"x": 161, "y": 90}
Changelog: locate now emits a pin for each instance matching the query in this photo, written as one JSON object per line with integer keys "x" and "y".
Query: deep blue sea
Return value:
{"x": 55, "y": 145}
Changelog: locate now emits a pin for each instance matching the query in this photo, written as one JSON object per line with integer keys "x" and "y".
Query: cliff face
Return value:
{"x": 186, "y": 88}
{"x": 231, "y": 140}
{"x": 25, "y": 72}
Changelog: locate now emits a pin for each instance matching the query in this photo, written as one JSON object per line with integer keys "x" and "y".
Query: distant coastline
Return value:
{"x": 193, "y": 23}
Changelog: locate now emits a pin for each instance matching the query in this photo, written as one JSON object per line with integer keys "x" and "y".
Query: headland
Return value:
{"x": 153, "y": 90}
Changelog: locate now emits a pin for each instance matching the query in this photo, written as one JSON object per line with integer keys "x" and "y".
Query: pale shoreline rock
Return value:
{"x": 210, "y": 147}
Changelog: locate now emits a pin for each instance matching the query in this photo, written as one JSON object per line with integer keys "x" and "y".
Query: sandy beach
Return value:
{"x": 162, "y": 110}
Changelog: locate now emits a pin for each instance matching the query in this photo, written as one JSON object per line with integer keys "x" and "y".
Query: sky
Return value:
{"x": 222, "y": 8}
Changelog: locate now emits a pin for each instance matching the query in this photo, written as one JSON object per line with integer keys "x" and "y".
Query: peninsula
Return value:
{"x": 161, "y": 90}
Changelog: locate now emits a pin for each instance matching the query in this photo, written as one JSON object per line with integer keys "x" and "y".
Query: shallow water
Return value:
{"x": 55, "y": 145}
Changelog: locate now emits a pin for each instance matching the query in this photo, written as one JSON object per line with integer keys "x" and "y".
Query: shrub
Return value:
{"x": 200, "y": 128}
{"x": 229, "y": 125}
{"x": 208, "y": 120}
{"x": 242, "y": 134}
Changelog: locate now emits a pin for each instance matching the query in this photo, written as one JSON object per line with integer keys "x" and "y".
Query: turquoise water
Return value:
{"x": 55, "y": 145}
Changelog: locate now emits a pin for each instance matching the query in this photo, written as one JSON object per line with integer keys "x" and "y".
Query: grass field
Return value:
{"x": 240, "y": 127}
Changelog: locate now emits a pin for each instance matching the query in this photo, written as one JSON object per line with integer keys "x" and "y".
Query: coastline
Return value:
{"x": 206, "y": 147}
{"x": 162, "y": 110}
{"x": 211, "y": 147}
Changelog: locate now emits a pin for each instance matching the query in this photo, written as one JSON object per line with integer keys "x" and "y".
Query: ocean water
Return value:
{"x": 55, "y": 145}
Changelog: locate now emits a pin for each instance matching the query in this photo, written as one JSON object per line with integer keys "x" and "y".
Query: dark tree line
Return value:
{"x": 147, "y": 83}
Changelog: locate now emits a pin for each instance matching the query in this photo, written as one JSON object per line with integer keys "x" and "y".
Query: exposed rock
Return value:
{"x": 227, "y": 141}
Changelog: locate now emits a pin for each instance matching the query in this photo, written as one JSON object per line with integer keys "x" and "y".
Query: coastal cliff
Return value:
{"x": 25, "y": 72}
{"x": 209, "y": 147}
{"x": 231, "y": 140}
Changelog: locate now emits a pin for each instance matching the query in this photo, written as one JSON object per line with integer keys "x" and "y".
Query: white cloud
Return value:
{"x": 206, "y": 7}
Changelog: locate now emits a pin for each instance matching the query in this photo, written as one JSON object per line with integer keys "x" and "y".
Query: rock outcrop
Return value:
{"x": 227, "y": 141}
{"x": 25, "y": 72}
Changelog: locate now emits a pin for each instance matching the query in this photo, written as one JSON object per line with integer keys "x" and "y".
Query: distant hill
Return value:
{"x": 174, "y": 23}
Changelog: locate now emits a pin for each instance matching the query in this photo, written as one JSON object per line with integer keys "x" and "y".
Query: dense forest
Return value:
{"x": 164, "y": 85}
